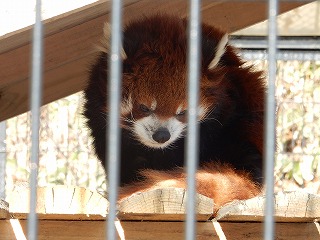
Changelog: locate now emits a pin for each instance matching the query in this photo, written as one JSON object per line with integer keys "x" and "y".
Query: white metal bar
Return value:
{"x": 283, "y": 43}
{"x": 284, "y": 55}
{"x": 113, "y": 136}
{"x": 193, "y": 98}
{"x": 269, "y": 136}
{"x": 36, "y": 95}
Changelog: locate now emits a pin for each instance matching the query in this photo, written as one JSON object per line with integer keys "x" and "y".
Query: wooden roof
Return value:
{"x": 70, "y": 41}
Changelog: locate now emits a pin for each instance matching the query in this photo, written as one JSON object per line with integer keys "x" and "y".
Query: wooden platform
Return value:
{"x": 71, "y": 37}
{"x": 78, "y": 213}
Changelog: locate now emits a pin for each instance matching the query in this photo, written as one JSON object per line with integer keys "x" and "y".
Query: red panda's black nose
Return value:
{"x": 161, "y": 135}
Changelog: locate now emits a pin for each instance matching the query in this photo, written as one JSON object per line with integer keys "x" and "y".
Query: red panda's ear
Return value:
{"x": 106, "y": 42}
{"x": 219, "y": 51}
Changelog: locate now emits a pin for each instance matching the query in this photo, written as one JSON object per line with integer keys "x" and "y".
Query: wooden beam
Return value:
{"x": 70, "y": 41}
{"x": 94, "y": 230}
{"x": 59, "y": 202}
{"x": 165, "y": 204}
{"x": 289, "y": 207}
{"x": 76, "y": 203}
{"x": 4, "y": 209}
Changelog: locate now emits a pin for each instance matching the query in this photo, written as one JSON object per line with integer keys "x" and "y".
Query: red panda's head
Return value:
{"x": 154, "y": 98}
{"x": 154, "y": 93}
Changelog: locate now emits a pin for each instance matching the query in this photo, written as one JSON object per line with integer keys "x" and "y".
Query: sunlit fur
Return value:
{"x": 154, "y": 96}
{"x": 219, "y": 182}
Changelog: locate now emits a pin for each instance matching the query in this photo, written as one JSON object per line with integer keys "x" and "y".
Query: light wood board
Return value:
{"x": 289, "y": 207}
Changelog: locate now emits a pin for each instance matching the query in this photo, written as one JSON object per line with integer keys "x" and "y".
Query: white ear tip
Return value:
{"x": 225, "y": 39}
{"x": 220, "y": 50}
{"x": 106, "y": 30}
{"x": 106, "y": 41}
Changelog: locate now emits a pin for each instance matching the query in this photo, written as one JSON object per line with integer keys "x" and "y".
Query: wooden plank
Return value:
{"x": 58, "y": 23}
{"x": 56, "y": 83}
{"x": 167, "y": 204}
{"x": 4, "y": 209}
{"x": 283, "y": 231}
{"x": 60, "y": 206}
{"x": 74, "y": 203}
{"x": 94, "y": 230}
{"x": 289, "y": 207}
{"x": 70, "y": 39}
{"x": 60, "y": 202}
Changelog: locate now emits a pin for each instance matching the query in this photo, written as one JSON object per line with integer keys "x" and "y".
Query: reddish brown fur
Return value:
{"x": 155, "y": 68}
{"x": 216, "y": 181}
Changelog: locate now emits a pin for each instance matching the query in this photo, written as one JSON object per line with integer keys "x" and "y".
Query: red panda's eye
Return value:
{"x": 182, "y": 113}
{"x": 144, "y": 108}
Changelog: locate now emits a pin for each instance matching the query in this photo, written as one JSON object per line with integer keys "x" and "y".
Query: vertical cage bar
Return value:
{"x": 193, "y": 95}
{"x": 269, "y": 137}
{"x": 2, "y": 160}
{"x": 113, "y": 136}
{"x": 36, "y": 95}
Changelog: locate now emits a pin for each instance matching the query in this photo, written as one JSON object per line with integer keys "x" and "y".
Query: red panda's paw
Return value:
{"x": 219, "y": 182}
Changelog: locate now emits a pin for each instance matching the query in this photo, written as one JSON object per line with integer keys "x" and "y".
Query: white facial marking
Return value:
{"x": 153, "y": 105}
{"x": 144, "y": 129}
{"x": 202, "y": 111}
{"x": 179, "y": 109}
{"x": 126, "y": 106}
{"x": 219, "y": 51}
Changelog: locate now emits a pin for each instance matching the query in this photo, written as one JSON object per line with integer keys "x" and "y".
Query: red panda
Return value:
{"x": 154, "y": 106}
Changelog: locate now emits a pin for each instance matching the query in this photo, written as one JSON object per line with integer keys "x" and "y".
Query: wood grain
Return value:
{"x": 94, "y": 230}
{"x": 289, "y": 207}
{"x": 4, "y": 209}
{"x": 167, "y": 204}
{"x": 59, "y": 202}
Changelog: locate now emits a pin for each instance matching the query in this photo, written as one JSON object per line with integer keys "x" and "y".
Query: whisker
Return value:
{"x": 203, "y": 120}
{"x": 104, "y": 116}
{"x": 205, "y": 117}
